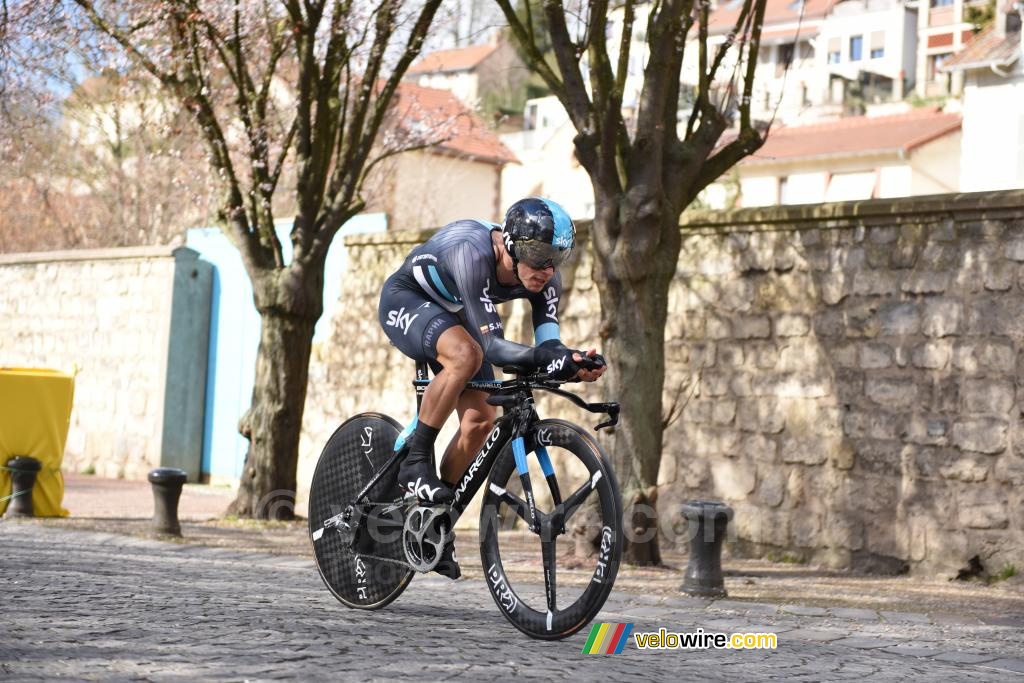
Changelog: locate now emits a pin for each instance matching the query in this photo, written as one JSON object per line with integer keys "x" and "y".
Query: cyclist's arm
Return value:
{"x": 545, "y": 311}
{"x": 472, "y": 275}
{"x": 547, "y": 334}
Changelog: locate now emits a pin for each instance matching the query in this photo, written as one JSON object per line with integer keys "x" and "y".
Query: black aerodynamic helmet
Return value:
{"x": 538, "y": 232}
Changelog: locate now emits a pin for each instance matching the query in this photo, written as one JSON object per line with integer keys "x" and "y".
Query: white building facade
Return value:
{"x": 869, "y": 42}
{"x": 547, "y": 164}
{"x": 992, "y": 69}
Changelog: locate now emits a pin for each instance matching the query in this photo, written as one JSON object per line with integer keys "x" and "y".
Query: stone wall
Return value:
{"x": 844, "y": 375}
{"x": 104, "y": 315}
{"x": 856, "y": 368}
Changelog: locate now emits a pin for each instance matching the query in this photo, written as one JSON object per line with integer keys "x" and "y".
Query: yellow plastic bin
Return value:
{"x": 35, "y": 412}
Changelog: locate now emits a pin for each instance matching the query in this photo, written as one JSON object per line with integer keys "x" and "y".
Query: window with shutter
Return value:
{"x": 835, "y": 47}
{"x": 877, "y": 44}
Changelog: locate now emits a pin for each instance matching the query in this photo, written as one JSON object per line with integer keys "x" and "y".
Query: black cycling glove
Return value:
{"x": 555, "y": 358}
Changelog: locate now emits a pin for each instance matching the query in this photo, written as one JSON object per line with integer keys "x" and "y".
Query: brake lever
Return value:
{"x": 613, "y": 414}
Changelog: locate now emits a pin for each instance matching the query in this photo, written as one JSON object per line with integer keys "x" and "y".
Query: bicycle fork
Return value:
{"x": 548, "y": 527}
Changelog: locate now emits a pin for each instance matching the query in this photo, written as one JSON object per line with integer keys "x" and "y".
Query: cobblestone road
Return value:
{"x": 98, "y": 606}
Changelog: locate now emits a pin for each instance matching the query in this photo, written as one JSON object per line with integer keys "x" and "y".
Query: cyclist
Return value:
{"x": 440, "y": 307}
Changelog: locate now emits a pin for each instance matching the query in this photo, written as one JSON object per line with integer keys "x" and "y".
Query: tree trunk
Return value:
{"x": 272, "y": 424}
{"x": 634, "y": 306}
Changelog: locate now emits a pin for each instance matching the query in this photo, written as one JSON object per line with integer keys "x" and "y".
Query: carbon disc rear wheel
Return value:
{"x": 358, "y": 448}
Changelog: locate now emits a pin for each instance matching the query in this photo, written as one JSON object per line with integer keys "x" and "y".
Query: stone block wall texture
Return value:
{"x": 844, "y": 375}
{"x": 104, "y": 314}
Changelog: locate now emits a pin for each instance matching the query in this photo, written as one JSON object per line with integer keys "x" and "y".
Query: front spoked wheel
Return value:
{"x": 577, "y": 498}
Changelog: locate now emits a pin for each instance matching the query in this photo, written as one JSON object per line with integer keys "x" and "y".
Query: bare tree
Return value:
{"x": 303, "y": 82}
{"x": 645, "y": 170}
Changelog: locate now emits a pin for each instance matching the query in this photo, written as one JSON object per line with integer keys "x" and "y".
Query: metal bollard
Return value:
{"x": 167, "y": 483}
{"x": 23, "y": 477}
{"x": 704, "y": 572}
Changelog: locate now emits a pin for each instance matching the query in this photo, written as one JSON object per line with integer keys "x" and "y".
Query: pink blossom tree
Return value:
{"x": 286, "y": 96}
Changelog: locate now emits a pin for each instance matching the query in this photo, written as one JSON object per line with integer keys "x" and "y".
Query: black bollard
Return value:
{"x": 23, "y": 477}
{"x": 167, "y": 483}
{"x": 708, "y": 521}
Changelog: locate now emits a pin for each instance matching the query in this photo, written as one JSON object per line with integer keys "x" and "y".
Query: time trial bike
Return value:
{"x": 369, "y": 539}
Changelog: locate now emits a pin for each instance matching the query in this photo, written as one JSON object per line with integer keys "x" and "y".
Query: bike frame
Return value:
{"x": 516, "y": 398}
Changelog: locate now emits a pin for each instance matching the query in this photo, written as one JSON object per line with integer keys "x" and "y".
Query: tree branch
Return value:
{"x": 607, "y": 99}
{"x": 257, "y": 250}
{"x": 752, "y": 54}
{"x": 286, "y": 145}
{"x": 740, "y": 28}
{"x": 525, "y": 37}
{"x": 625, "y": 44}
{"x": 665, "y": 28}
{"x": 363, "y": 133}
{"x": 703, "y": 100}
{"x": 278, "y": 45}
{"x": 577, "y": 100}
{"x": 166, "y": 77}
{"x": 383, "y": 156}
{"x": 671, "y": 120}
{"x": 748, "y": 142}
{"x": 308, "y": 188}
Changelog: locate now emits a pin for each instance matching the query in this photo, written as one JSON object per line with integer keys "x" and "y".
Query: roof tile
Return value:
{"x": 439, "y": 110}
{"x": 856, "y": 135}
{"x": 458, "y": 59}
{"x": 987, "y": 47}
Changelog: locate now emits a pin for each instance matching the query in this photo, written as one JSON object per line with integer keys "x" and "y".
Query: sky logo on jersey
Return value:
{"x": 552, "y": 303}
{"x": 401, "y": 319}
{"x": 486, "y": 298}
{"x": 607, "y": 639}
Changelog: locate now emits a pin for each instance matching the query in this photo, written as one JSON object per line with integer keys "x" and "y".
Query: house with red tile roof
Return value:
{"x": 992, "y": 70}
{"x": 857, "y": 157}
{"x": 479, "y": 75}
{"x": 455, "y": 173}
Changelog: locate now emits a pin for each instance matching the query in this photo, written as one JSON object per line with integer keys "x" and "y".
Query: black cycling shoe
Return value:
{"x": 449, "y": 565}
{"x": 416, "y": 476}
